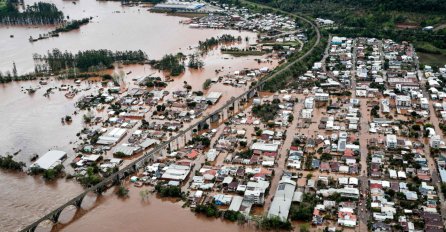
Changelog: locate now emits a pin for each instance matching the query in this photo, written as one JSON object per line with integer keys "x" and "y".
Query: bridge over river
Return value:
{"x": 231, "y": 107}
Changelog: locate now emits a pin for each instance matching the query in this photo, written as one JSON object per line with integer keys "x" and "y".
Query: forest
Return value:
{"x": 89, "y": 60}
{"x": 38, "y": 13}
{"x": 394, "y": 19}
{"x": 427, "y": 6}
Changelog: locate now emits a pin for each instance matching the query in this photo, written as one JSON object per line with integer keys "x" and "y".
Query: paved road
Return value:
{"x": 363, "y": 214}
{"x": 431, "y": 162}
{"x": 204, "y": 118}
{"x": 326, "y": 53}
{"x": 283, "y": 154}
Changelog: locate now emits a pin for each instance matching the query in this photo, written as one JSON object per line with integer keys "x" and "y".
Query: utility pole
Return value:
{"x": 14, "y": 69}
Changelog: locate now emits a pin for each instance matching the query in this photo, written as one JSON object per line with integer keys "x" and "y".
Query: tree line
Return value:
{"x": 8, "y": 77}
{"x": 170, "y": 63}
{"x": 388, "y": 5}
{"x": 72, "y": 25}
{"x": 375, "y": 18}
{"x": 88, "y": 60}
{"x": 214, "y": 41}
{"x": 289, "y": 76}
{"x": 38, "y": 13}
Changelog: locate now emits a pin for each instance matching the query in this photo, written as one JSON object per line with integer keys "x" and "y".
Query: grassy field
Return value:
{"x": 429, "y": 48}
{"x": 430, "y": 54}
{"x": 432, "y": 59}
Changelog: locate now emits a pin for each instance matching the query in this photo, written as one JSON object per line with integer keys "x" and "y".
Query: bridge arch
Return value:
{"x": 67, "y": 214}
{"x": 44, "y": 226}
{"x": 88, "y": 200}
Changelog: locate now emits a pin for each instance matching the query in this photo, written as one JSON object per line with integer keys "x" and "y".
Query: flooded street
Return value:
{"x": 31, "y": 124}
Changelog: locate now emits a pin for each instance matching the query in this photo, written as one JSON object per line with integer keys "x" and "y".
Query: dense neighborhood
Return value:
{"x": 351, "y": 142}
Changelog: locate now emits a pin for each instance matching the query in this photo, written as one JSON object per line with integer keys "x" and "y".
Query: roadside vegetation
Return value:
{"x": 200, "y": 140}
{"x": 288, "y": 77}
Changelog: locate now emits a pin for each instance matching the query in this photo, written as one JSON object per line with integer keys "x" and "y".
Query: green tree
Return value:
{"x": 122, "y": 191}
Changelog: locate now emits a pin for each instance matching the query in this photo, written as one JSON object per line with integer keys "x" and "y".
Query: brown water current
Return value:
{"x": 134, "y": 214}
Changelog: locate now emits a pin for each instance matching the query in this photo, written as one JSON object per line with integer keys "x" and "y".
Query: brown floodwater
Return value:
{"x": 134, "y": 214}
{"x": 132, "y": 28}
{"x": 31, "y": 123}
{"x": 24, "y": 198}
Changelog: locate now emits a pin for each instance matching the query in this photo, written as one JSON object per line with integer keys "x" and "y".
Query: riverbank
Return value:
{"x": 214, "y": 61}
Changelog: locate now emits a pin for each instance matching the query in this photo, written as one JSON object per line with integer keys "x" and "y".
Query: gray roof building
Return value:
{"x": 282, "y": 199}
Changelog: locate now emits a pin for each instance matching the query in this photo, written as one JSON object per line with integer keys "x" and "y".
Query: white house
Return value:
{"x": 309, "y": 103}
{"x": 321, "y": 96}
{"x": 403, "y": 100}
{"x": 435, "y": 141}
{"x": 50, "y": 159}
{"x": 424, "y": 103}
{"x": 391, "y": 141}
{"x": 307, "y": 113}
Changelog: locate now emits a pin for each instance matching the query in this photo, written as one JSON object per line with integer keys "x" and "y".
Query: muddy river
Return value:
{"x": 31, "y": 123}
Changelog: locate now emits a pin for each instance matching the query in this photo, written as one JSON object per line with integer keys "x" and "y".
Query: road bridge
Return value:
{"x": 233, "y": 105}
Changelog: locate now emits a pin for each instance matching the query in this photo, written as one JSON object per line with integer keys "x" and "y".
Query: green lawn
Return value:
{"x": 428, "y": 48}
{"x": 432, "y": 59}
{"x": 430, "y": 55}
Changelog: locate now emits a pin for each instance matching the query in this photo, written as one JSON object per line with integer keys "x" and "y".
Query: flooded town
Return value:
{"x": 213, "y": 115}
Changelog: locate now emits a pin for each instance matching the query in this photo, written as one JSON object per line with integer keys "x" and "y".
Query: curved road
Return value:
{"x": 183, "y": 132}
